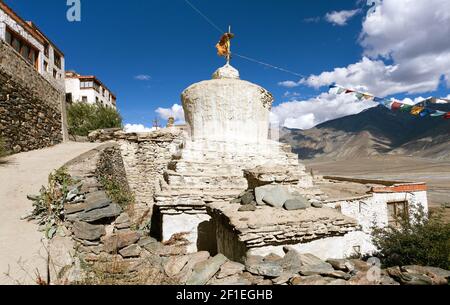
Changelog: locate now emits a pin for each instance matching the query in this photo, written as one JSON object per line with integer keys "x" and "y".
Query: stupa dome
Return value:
{"x": 226, "y": 71}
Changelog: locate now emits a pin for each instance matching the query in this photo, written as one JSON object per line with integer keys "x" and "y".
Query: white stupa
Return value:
{"x": 227, "y": 109}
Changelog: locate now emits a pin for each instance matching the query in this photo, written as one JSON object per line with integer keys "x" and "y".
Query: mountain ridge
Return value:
{"x": 375, "y": 131}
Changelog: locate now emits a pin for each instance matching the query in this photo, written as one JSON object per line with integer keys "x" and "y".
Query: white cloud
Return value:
{"x": 309, "y": 113}
{"x": 412, "y": 36}
{"x": 289, "y": 84}
{"x": 340, "y": 18}
{"x": 131, "y": 128}
{"x": 176, "y": 111}
{"x": 143, "y": 77}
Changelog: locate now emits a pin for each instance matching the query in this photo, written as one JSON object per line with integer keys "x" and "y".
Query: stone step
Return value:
{"x": 251, "y": 153}
{"x": 196, "y": 179}
{"x": 229, "y": 146}
{"x": 248, "y": 160}
{"x": 195, "y": 196}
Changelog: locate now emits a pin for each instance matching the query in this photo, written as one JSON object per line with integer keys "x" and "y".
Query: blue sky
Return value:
{"x": 168, "y": 41}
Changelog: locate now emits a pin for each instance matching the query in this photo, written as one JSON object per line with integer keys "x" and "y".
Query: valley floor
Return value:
{"x": 398, "y": 168}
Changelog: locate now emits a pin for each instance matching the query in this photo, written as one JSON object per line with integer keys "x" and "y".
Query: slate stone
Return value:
{"x": 308, "y": 259}
{"x": 292, "y": 262}
{"x": 297, "y": 203}
{"x": 276, "y": 195}
{"x": 267, "y": 269}
{"x": 319, "y": 269}
{"x": 146, "y": 240}
{"x": 310, "y": 280}
{"x": 85, "y": 231}
{"x": 112, "y": 210}
{"x": 130, "y": 251}
{"x": 120, "y": 240}
{"x": 247, "y": 198}
{"x": 276, "y": 198}
{"x": 341, "y": 264}
{"x": 232, "y": 280}
{"x": 272, "y": 257}
{"x": 74, "y": 208}
{"x": 229, "y": 269}
{"x": 283, "y": 278}
{"x": 204, "y": 271}
{"x": 175, "y": 264}
{"x": 317, "y": 205}
{"x": 247, "y": 208}
{"x": 97, "y": 204}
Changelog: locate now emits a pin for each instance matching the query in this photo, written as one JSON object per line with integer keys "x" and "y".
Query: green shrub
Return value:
{"x": 83, "y": 118}
{"x": 422, "y": 240}
{"x": 48, "y": 206}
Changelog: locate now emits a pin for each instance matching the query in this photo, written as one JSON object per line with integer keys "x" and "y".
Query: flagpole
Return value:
{"x": 229, "y": 51}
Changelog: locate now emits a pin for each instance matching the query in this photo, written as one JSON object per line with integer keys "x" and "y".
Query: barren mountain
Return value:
{"x": 376, "y": 131}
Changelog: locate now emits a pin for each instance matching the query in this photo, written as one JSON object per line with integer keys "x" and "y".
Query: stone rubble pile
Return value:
{"x": 294, "y": 269}
{"x": 276, "y": 196}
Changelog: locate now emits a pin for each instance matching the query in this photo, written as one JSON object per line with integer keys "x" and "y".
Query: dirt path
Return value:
{"x": 22, "y": 251}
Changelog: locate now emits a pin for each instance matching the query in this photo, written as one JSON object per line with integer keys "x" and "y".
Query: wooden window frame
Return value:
{"x": 24, "y": 43}
{"x": 394, "y": 220}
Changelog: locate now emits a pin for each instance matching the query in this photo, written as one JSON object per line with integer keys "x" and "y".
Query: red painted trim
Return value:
{"x": 401, "y": 188}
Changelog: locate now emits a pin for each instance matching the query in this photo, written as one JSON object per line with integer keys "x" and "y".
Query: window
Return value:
{"x": 84, "y": 99}
{"x": 55, "y": 73}
{"x": 86, "y": 84}
{"x": 8, "y": 38}
{"x": 25, "y": 49}
{"x": 46, "y": 47}
{"x": 45, "y": 66}
{"x": 57, "y": 60}
{"x": 96, "y": 100}
{"x": 69, "y": 98}
{"x": 396, "y": 211}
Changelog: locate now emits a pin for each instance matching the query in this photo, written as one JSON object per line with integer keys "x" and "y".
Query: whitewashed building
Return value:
{"x": 28, "y": 41}
{"x": 88, "y": 89}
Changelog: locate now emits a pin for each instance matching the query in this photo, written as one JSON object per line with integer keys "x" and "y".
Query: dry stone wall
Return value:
{"x": 30, "y": 107}
{"x": 146, "y": 157}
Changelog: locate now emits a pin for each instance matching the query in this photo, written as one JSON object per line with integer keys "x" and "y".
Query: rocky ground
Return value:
{"x": 108, "y": 249}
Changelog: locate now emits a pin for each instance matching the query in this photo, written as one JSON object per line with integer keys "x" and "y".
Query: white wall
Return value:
{"x": 372, "y": 210}
{"x": 73, "y": 86}
{"x": 326, "y": 248}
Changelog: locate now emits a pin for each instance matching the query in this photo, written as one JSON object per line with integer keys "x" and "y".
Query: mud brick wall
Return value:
{"x": 30, "y": 107}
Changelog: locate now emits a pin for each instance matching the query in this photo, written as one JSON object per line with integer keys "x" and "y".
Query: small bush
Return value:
{"x": 421, "y": 240}
{"x": 117, "y": 193}
{"x": 83, "y": 118}
{"x": 48, "y": 206}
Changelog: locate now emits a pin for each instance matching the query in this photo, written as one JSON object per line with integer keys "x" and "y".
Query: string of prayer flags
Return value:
{"x": 418, "y": 110}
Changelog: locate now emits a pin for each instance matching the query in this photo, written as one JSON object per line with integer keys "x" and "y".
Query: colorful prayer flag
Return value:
{"x": 333, "y": 86}
{"x": 349, "y": 91}
{"x": 438, "y": 113}
{"x": 447, "y": 116}
{"x": 378, "y": 99}
{"x": 416, "y": 110}
{"x": 424, "y": 113}
{"x": 396, "y": 106}
{"x": 406, "y": 108}
{"x": 359, "y": 96}
{"x": 367, "y": 96}
{"x": 341, "y": 90}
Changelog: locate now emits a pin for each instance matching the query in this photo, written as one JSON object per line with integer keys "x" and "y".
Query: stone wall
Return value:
{"x": 110, "y": 167}
{"x": 146, "y": 157}
{"x": 30, "y": 107}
